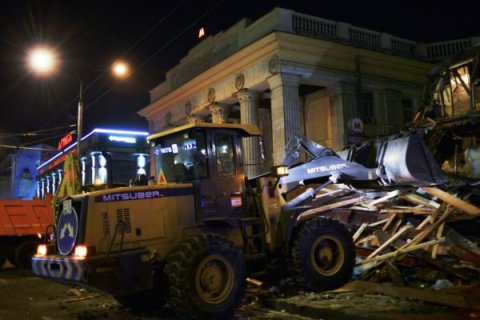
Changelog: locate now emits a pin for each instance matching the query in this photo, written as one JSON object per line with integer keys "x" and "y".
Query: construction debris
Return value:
{"x": 413, "y": 237}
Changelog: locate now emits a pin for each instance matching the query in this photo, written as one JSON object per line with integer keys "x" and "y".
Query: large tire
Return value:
{"x": 23, "y": 254}
{"x": 3, "y": 256}
{"x": 206, "y": 276}
{"x": 323, "y": 254}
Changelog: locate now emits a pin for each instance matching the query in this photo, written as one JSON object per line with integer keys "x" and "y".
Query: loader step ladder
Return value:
{"x": 253, "y": 234}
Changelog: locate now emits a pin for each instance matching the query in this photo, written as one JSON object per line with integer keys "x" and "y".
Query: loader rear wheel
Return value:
{"x": 323, "y": 254}
{"x": 3, "y": 256}
{"x": 23, "y": 254}
{"x": 206, "y": 275}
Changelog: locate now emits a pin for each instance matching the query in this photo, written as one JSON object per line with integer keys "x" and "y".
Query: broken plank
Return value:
{"x": 424, "y": 233}
{"x": 453, "y": 201}
{"x": 422, "y": 225}
{"x": 439, "y": 236}
{"x": 377, "y": 223}
{"x": 365, "y": 239}
{"x": 409, "y": 210}
{"x": 416, "y": 199}
{"x": 359, "y": 232}
{"x": 311, "y": 212}
{"x": 403, "y": 250}
{"x": 397, "y": 225}
{"x": 389, "y": 195}
{"x": 389, "y": 241}
{"x": 389, "y": 222}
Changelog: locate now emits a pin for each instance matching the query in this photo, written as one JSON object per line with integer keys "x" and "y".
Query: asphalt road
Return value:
{"x": 24, "y": 296}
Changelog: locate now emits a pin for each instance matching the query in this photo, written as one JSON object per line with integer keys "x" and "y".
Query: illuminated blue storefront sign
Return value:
{"x": 122, "y": 139}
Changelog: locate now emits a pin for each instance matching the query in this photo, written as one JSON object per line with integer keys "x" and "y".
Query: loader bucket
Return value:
{"x": 406, "y": 160}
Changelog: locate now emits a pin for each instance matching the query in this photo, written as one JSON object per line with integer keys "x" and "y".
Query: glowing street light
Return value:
{"x": 44, "y": 61}
{"x": 121, "y": 69}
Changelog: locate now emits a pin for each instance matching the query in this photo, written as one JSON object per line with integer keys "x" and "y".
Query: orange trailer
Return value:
{"x": 22, "y": 225}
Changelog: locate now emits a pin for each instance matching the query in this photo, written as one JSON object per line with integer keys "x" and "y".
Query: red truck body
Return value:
{"x": 22, "y": 225}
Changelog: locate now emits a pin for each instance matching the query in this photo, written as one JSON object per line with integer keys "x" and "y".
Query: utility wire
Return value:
{"x": 154, "y": 27}
{"x": 158, "y": 51}
{"x": 182, "y": 32}
{"x": 25, "y": 148}
{"x": 36, "y": 132}
{"x": 102, "y": 74}
{"x": 43, "y": 139}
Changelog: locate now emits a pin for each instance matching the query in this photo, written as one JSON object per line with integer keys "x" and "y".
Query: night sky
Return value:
{"x": 153, "y": 36}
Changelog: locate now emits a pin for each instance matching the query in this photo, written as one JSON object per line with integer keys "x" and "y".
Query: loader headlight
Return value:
{"x": 280, "y": 171}
{"x": 81, "y": 251}
{"x": 42, "y": 250}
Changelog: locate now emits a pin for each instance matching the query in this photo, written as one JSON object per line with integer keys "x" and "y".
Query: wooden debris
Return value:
{"x": 439, "y": 236}
{"x": 399, "y": 252}
{"x": 404, "y": 230}
{"x": 387, "y": 224}
{"x": 388, "y": 242}
{"x": 254, "y": 282}
{"x": 453, "y": 201}
{"x": 416, "y": 199}
{"x": 407, "y": 210}
{"x": 389, "y": 196}
{"x": 366, "y": 239}
{"x": 315, "y": 211}
{"x": 424, "y": 223}
{"x": 359, "y": 231}
{"x": 422, "y": 235}
{"x": 378, "y": 223}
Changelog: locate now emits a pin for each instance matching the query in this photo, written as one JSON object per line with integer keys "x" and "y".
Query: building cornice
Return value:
{"x": 234, "y": 64}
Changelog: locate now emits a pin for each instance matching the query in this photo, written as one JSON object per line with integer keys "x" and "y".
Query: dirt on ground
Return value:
{"x": 24, "y": 296}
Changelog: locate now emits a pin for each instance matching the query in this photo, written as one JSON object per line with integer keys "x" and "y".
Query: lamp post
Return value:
{"x": 43, "y": 61}
{"x": 80, "y": 118}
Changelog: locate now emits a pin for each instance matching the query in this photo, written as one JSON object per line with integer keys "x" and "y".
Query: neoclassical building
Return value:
{"x": 296, "y": 74}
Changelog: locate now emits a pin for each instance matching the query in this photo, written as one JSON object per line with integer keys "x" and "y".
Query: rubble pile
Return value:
{"x": 415, "y": 237}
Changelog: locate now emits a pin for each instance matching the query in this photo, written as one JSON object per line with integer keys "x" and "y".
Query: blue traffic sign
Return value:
{"x": 67, "y": 229}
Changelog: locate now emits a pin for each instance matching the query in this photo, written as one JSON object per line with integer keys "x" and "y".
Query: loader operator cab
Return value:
{"x": 209, "y": 157}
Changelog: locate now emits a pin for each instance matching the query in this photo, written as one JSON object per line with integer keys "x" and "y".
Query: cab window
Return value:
{"x": 224, "y": 154}
{"x": 181, "y": 157}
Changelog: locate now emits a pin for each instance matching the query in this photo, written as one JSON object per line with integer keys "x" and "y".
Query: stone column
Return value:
{"x": 251, "y": 146}
{"x": 393, "y": 118}
{"x": 219, "y": 112}
{"x": 265, "y": 124}
{"x": 285, "y": 112}
{"x": 343, "y": 108}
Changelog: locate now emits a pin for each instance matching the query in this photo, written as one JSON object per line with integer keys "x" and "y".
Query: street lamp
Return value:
{"x": 44, "y": 61}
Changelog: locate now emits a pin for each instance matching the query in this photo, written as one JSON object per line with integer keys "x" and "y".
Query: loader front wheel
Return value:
{"x": 323, "y": 254}
{"x": 206, "y": 276}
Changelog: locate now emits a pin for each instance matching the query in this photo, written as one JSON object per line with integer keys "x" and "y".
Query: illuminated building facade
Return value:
{"x": 115, "y": 156}
{"x": 294, "y": 74}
